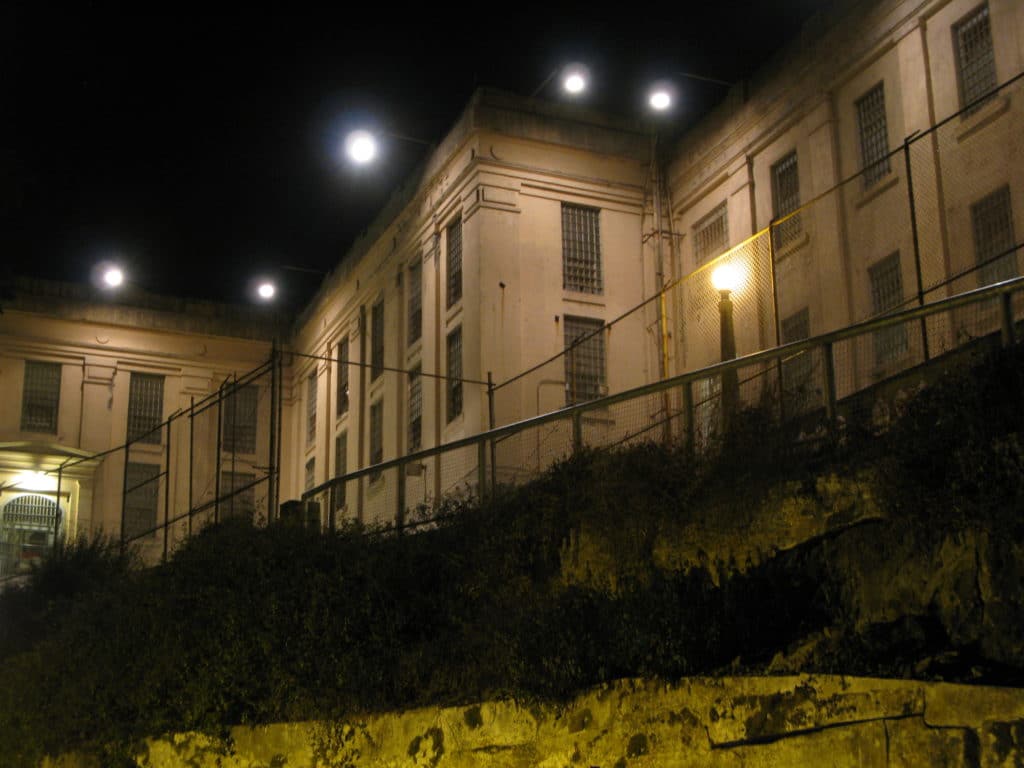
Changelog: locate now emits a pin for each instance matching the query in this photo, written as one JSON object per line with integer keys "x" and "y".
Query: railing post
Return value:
{"x": 830, "y": 386}
{"x": 167, "y": 487}
{"x": 1006, "y": 305}
{"x": 577, "y": 430}
{"x": 399, "y": 500}
{"x": 490, "y": 416}
{"x": 56, "y": 522}
{"x": 481, "y": 468}
{"x": 217, "y": 460}
{"x": 124, "y": 491}
{"x": 917, "y": 245}
{"x": 191, "y": 456}
{"x": 691, "y": 442}
{"x": 777, "y": 319}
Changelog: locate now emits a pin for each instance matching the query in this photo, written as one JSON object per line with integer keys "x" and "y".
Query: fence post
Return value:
{"x": 481, "y": 468}
{"x": 778, "y": 320}
{"x": 124, "y": 491}
{"x": 56, "y": 522}
{"x": 191, "y": 454}
{"x": 830, "y": 386}
{"x": 216, "y": 477}
{"x": 399, "y": 500}
{"x": 691, "y": 442}
{"x": 490, "y": 416}
{"x": 1008, "y": 331}
{"x": 577, "y": 430}
{"x": 916, "y": 242}
{"x": 167, "y": 486}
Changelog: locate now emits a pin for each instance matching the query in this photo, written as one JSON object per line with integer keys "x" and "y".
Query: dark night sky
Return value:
{"x": 199, "y": 144}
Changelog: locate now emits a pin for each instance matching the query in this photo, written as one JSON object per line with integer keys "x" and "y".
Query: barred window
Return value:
{"x": 887, "y": 294}
{"x": 454, "y": 263}
{"x": 340, "y": 468}
{"x": 975, "y": 58}
{"x": 377, "y": 340}
{"x": 376, "y": 435}
{"x": 797, "y": 378}
{"x": 40, "y": 399}
{"x": 786, "y": 199}
{"x": 581, "y": 249}
{"x": 415, "y": 410}
{"x": 711, "y": 235}
{"x": 238, "y": 490}
{"x": 584, "y": 360}
{"x": 343, "y": 376}
{"x": 238, "y": 419}
{"x": 416, "y": 301}
{"x": 874, "y": 134}
{"x": 454, "y": 389}
{"x": 141, "y": 499}
{"x": 310, "y": 480}
{"x": 145, "y": 407}
{"x": 311, "y": 407}
{"x": 992, "y": 221}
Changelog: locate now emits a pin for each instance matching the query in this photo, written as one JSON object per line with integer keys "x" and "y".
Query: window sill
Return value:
{"x": 414, "y": 348}
{"x": 453, "y": 312}
{"x": 877, "y": 189}
{"x": 793, "y": 246}
{"x": 987, "y": 113}
{"x": 590, "y": 299}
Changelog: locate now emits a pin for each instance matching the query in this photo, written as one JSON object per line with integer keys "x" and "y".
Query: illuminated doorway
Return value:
{"x": 28, "y": 525}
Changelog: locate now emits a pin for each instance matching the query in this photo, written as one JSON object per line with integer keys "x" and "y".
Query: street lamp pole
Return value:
{"x": 726, "y": 279}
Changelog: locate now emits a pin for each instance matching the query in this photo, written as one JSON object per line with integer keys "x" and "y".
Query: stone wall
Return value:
{"x": 756, "y": 721}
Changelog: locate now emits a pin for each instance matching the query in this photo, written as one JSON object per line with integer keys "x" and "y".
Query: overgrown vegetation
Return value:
{"x": 249, "y": 625}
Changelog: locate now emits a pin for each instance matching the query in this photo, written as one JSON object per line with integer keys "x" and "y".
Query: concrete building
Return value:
{"x": 867, "y": 167}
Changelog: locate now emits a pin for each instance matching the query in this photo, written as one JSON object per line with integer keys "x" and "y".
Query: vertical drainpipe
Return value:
{"x": 328, "y": 433}
{"x": 361, "y": 429}
{"x": 439, "y": 294}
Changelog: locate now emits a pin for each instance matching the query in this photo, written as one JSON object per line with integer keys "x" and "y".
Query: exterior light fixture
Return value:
{"x": 266, "y": 290}
{"x": 575, "y": 79}
{"x": 660, "y": 99}
{"x": 727, "y": 278}
{"x": 113, "y": 277}
{"x": 361, "y": 147}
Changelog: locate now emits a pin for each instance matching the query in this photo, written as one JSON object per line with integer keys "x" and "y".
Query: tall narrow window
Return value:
{"x": 581, "y": 249}
{"x": 887, "y": 294}
{"x": 343, "y": 376}
{"x": 454, "y": 383}
{"x": 145, "y": 407}
{"x": 377, "y": 340}
{"x": 415, "y": 410}
{"x": 40, "y": 399}
{"x": 975, "y": 58}
{"x": 376, "y": 435}
{"x": 874, "y": 134}
{"x": 340, "y": 468}
{"x": 416, "y": 301}
{"x": 711, "y": 235}
{"x": 584, "y": 359}
{"x": 992, "y": 222}
{"x": 141, "y": 499}
{"x": 454, "y": 262}
{"x": 311, "y": 407}
{"x": 238, "y": 420}
{"x": 240, "y": 491}
{"x": 786, "y": 199}
{"x": 310, "y": 480}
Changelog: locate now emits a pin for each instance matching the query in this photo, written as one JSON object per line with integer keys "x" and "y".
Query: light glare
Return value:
{"x": 361, "y": 147}
{"x": 574, "y": 82}
{"x": 266, "y": 290}
{"x": 113, "y": 277}
{"x": 660, "y": 100}
{"x": 727, "y": 277}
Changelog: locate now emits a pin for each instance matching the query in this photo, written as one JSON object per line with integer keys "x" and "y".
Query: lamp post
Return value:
{"x": 727, "y": 278}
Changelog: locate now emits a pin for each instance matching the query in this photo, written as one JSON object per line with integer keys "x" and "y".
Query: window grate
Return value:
{"x": 711, "y": 235}
{"x": 415, "y": 410}
{"x": 887, "y": 294}
{"x": 30, "y": 513}
{"x": 343, "y": 376}
{"x": 581, "y": 249}
{"x": 239, "y": 420}
{"x": 454, "y": 382}
{"x": 874, "y": 135}
{"x": 141, "y": 501}
{"x": 992, "y": 221}
{"x": 454, "y": 262}
{"x": 786, "y": 199}
{"x": 311, "y": 408}
{"x": 340, "y": 468}
{"x": 377, "y": 340}
{"x": 145, "y": 407}
{"x": 40, "y": 402}
{"x": 975, "y": 58}
{"x": 584, "y": 362}
{"x": 415, "y": 301}
{"x": 240, "y": 491}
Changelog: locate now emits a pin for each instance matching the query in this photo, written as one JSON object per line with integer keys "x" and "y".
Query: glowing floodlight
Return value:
{"x": 660, "y": 99}
{"x": 113, "y": 277}
{"x": 574, "y": 79}
{"x": 266, "y": 290}
{"x": 361, "y": 147}
{"x": 727, "y": 278}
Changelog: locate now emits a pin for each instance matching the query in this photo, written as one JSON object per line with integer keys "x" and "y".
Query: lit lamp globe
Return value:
{"x": 574, "y": 80}
{"x": 266, "y": 290}
{"x": 113, "y": 277}
{"x": 361, "y": 147}
{"x": 659, "y": 99}
{"x": 726, "y": 278}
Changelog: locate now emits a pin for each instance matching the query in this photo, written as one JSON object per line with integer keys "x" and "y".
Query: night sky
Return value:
{"x": 200, "y": 145}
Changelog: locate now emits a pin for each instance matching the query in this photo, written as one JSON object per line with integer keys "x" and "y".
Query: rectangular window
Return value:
{"x": 310, "y": 479}
{"x": 454, "y": 263}
{"x": 376, "y": 435}
{"x": 145, "y": 407}
{"x": 40, "y": 399}
{"x": 797, "y": 377}
{"x": 238, "y": 491}
{"x": 454, "y": 382}
{"x": 975, "y": 58}
{"x": 886, "y": 295}
{"x": 340, "y": 468}
{"x": 377, "y": 340}
{"x": 992, "y": 222}
{"x": 874, "y": 135}
{"x": 311, "y": 408}
{"x": 141, "y": 499}
{"x": 238, "y": 420}
{"x": 415, "y": 410}
{"x": 581, "y": 249}
{"x": 584, "y": 359}
{"x": 786, "y": 199}
{"x": 343, "y": 376}
{"x": 416, "y": 301}
{"x": 711, "y": 235}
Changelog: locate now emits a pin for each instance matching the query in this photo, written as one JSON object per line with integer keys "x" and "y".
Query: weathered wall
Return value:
{"x": 765, "y": 721}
